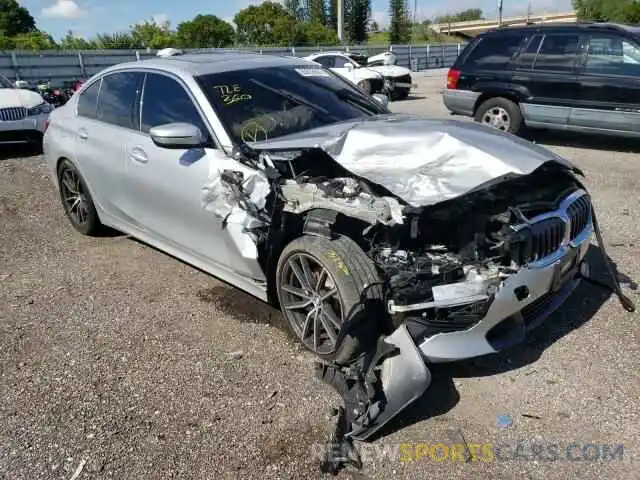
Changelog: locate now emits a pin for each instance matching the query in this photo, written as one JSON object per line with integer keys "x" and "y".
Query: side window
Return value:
{"x": 165, "y": 101}
{"x": 341, "y": 62}
{"x": 88, "y": 100}
{"x": 325, "y": 61}
{"x": 557, "y": 53}
{"x": 612, "y": 55}
{"x": 497, "y": 51}
{"x": 117, "y": 103}
{"x": 527, "y": 57}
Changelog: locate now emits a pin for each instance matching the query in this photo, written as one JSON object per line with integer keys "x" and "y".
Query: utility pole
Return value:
{"x": 499, "y": 13}
{"x": 341, "y": 20}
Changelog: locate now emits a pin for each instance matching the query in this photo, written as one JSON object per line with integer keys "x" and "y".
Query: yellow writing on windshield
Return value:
{"x": 230, "y": 94}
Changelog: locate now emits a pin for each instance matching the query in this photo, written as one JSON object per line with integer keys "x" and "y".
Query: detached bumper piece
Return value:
{"x": 375, "y": 388}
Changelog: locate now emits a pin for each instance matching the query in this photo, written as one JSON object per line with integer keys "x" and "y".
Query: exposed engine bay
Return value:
{"x": 440, "y": 264}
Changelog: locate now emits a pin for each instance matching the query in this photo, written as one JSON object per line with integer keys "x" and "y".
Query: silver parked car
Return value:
{"x": 395, "y": 239}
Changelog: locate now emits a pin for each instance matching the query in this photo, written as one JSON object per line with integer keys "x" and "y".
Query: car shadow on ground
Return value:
{"x": 583, "y": 140}
{"x": 22, "y": 150}
{"x": 582, "y": 305}
{"x": 410, "y": 98}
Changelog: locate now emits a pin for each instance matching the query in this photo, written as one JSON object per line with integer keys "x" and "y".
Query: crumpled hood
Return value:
{"x": 16, "y": 97}
{"x": 390, "y": 70}
{"x": 420, "y": 160}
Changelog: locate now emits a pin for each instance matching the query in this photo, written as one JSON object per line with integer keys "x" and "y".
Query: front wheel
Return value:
{"x": 500, "y": 113}
{"x": 320, "y": 283}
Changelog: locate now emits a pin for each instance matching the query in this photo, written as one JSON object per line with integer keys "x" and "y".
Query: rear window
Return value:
{"x": 494, "y": 51}
{"x": 557, "y": 52}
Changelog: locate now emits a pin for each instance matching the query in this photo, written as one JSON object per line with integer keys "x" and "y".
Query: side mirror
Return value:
{"x": 382, "y": 99}
{"x": 177, "y": 136}
{"x": 348, "y": 66}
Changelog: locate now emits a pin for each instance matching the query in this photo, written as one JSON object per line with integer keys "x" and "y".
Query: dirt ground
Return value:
{"x": 123, "y": 361}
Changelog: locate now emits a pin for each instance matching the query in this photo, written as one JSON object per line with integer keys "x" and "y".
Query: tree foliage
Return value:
{"x": 399, "y": 25}
{"x": 356, "y": 20}
{"x": 623, "y": 11}
{"x": 150, "y": 34}
{"x": 15, "y": 19}
{"x": 463, "y": 16}
{"x": 205, "y": 31}
{"x": 317, "y": 11}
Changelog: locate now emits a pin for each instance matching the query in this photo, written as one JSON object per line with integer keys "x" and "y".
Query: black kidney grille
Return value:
{"x": 580, "y": 213}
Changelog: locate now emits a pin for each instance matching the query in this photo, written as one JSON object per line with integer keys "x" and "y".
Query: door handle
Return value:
{"x": 82, "y": 133}
{"x": 138, "y": 155}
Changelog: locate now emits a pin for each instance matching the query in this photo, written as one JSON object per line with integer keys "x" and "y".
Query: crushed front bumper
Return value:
{"x": 511, "y": 313}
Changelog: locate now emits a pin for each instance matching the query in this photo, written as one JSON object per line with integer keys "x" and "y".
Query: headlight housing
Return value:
{"x": 43, "y": 108}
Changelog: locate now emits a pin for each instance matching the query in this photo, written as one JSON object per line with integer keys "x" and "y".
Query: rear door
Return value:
{"x": 547, "y": 69}
{"x": 609, "y": 92}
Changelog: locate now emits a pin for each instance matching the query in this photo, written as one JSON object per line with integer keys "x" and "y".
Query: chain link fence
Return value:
{"x": 59, "y": 67}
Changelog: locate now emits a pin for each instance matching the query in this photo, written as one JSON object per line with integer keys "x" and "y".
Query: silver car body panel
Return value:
{"x": 461, "y": 102}
{"x": 439, "y": 160}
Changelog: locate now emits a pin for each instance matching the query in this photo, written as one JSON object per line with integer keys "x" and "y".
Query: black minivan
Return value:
{"x": 582, "y": 77}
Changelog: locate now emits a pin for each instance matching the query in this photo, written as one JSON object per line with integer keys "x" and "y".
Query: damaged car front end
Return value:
{"x": 474, "y": 238}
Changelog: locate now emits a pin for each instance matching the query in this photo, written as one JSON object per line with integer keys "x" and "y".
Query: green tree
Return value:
{"x": 119, "y": 40}
{"x": 205, "y": 31}
{"x": 265, "y": 24}
{"x": 296, "y": 8}
{"x": 33, "y": 41}
{"x": 399, "y": 26}
{"x": 150, "y": 34}
{"x": 317, "y": 11}
{"x": 463, "y": 16}
{"x": 71, "y": 42}
{"x": 332, "y": 14}
{"x": 15, "y": 19}
{"x": 356, "y": 20}
{"x": 623, "y": 11}
{"x": 317, "y": 34}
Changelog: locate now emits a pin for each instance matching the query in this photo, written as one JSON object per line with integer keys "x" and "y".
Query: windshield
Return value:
{"x": 264, "y": 103}
{"x": 5, "y": 83}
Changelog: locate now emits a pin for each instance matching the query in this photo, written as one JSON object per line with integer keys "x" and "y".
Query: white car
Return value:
{"x": 23, "y": 114}
{"x": 377, "y": 74}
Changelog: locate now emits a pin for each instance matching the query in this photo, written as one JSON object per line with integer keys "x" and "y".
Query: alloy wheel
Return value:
{"x": 497, "y": 117}
{"x": 312, "y": 302}
{"x": 74, "y": 197}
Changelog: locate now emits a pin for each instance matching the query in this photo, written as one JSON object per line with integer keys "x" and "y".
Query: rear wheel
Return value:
{"x": 500, "y": 113}
{"x": 320, "y": 283}
{"x": 76, "y": 200}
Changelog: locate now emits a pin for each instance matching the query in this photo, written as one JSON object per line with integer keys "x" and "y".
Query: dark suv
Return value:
{"x": 583, "y": 77}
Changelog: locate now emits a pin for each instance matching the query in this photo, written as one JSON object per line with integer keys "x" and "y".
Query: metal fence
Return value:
{"x": 61, "y": 66}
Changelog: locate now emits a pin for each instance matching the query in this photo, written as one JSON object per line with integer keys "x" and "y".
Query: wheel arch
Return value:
{"x": 509, "y": 95}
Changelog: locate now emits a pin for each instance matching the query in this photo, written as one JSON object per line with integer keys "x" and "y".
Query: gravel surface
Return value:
{"x": 118, "y": 361}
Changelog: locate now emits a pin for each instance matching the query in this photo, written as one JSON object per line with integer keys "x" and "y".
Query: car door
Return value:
{"x": 338, "y": 64}
{"x": 164, "y": 186}
{"x": 609, "y": 78}
{"x": 106, "y": 118}
{"x": 547, "y": 68}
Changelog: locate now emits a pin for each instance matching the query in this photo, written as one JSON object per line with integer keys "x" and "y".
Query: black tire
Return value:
{"x": 365, "y": 86}
{"x": 350, "y": 272}
{"x": 400, "y": 94}
{"x": 503, "y": 108}
{"x": 35, "y": 142}
{"x": 76, "y": 200}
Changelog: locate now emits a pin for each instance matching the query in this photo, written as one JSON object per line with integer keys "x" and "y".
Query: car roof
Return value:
{"x": 569, "y": 26}
{"x": 196, "y": 64}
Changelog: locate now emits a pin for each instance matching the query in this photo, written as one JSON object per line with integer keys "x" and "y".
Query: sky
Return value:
{"x": 88, "y": 17}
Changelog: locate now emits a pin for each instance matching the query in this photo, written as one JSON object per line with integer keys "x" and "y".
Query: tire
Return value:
{"x": 35, "y": 143}
{"x": 365, "y": 86}
{"x": 338, "y": 264}
{"x": 500, "y": 113}
{"x": 76, "y": 200}
{"x": 400, "y": 94}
